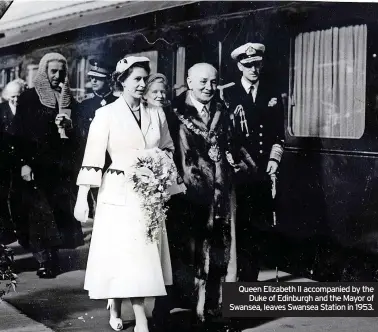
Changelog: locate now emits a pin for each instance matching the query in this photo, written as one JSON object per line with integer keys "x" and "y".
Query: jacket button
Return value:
{"x": 261, "y": 151}
{"x": 90, "y": 119}
{"x": 261, "y": 126}
{"x": 260, "y": 134}
{"x": 261, "y": 143}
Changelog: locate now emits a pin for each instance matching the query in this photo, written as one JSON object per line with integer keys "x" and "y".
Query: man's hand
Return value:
{"x": 63, "y": 121}
{"x": 230, "y": 159}
{"x": 272, "y": 167}
{"x": 27, "y": 173}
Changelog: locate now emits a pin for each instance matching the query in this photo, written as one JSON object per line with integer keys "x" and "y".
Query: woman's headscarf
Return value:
{"x": 43, "y": 87}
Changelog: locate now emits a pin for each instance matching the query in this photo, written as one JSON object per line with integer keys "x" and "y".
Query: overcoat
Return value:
{"x": 130, "y": 266}
{"x": 8, "y": 166}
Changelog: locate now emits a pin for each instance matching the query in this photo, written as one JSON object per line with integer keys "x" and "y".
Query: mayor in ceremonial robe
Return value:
{"x": 203, "y": 239}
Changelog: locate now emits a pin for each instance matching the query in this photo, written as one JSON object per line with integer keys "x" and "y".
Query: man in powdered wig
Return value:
{"x": 46, "y": 154}
{"x": 202, "y": 232}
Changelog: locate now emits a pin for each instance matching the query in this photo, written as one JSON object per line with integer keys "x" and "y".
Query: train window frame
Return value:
{"x": 368, "y": 142}
{"x": 9, "y": 74}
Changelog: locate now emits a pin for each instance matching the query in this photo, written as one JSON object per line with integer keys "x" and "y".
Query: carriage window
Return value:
{"x": 80, "y": 84}
{"x": 30, "y": 74}
{"x": 9, "y": 74}
{"x": 329, "y": 83}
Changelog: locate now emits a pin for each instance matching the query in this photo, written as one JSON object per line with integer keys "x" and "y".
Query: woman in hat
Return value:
{"x": 155, "y": 94}
{"x": 121, "y": 263}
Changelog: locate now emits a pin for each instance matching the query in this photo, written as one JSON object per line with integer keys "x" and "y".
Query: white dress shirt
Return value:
{"x": 199, "y": 107}
{"x": 247, "y": 87}
{"x": 13, "y": 108}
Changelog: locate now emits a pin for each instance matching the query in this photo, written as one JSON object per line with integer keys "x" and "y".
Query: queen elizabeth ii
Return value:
{"x": 122, "y": 263}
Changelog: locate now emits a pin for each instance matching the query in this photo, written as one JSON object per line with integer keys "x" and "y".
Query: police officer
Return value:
{"x": 101, "y": 95}
{"x": 257, "y": 119}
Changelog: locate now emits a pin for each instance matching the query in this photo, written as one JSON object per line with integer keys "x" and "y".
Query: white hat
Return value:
{"x": 248, "y": 52}
{"x": 127, "y": 62}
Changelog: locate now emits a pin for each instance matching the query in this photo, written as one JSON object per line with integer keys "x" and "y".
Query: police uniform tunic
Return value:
{"x": 88, "y": 108}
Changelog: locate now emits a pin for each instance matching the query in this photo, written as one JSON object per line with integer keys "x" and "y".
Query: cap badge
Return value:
{"x": 95, "y": 66}
{"x": 250, "y": 51}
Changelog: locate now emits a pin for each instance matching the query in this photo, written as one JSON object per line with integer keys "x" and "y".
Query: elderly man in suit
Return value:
{"x": 258, "y": 125}
{"x": 8, "y": 165}
{"x": 201, "y": 229}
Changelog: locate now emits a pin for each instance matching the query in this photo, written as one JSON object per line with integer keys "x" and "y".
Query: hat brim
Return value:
{"x": 95, "y": 74}
{"x": 251, "y": 59}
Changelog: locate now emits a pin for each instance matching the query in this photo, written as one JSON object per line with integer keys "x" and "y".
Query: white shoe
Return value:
{"x": 115, "y": 323}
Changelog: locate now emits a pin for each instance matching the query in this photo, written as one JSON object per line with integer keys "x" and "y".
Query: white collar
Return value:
{"x": 247, "y": 85}
{"x": 199, "y": 106}
{"x": 13, "y": 108}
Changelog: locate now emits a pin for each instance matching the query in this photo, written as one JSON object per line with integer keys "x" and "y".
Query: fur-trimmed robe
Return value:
{"x": 205, "y": 216}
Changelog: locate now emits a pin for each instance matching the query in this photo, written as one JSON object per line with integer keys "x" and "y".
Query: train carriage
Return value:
{"x": 322, "y": 57}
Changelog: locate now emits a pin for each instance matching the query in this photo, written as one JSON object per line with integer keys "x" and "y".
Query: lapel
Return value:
{"x": 8, "y": 115}
{"x": 145, "y": 118}
{"x": 259, "y": 95}
{"x": 130, "y": 125}
{"x": 191, "y": 113}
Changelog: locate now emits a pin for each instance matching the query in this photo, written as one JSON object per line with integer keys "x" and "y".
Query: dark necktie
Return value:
{"x": 251, "y": 91}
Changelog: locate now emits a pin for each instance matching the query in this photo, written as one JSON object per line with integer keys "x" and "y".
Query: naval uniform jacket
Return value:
{"x": 258, "y": 142}
{"x": 264, "y": 125}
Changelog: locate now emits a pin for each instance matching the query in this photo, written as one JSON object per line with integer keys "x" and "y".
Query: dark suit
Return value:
{"x": 255, "y": 204}
{"x": 8, "y": 170}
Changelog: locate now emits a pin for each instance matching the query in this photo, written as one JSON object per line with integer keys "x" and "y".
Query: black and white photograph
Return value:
{"x": 154, "y": 153}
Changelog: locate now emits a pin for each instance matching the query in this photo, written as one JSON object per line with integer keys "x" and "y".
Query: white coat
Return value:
{"x": 121, "y": 263}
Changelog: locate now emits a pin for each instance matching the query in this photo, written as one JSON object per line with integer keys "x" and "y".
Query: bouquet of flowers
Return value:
{"x": 153, "y": 174}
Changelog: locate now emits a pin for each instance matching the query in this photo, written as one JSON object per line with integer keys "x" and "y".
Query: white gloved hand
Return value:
{"x": 81, "y": 210}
